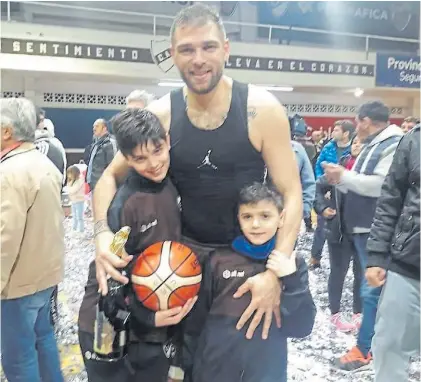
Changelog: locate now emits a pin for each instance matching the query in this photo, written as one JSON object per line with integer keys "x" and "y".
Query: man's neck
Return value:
{"x": 375, "y": 129}
{"x": 10, "y": 146}
{"x": 343, "y": 144}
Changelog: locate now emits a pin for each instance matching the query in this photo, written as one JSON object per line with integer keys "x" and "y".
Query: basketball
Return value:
{"x": 166, "y": 275}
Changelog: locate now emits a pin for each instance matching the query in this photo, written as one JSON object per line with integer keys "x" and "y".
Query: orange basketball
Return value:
{"x": 166, "y": 275}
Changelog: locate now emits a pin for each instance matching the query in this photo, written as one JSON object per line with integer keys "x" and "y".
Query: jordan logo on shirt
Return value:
{"x": 206, "y": 161}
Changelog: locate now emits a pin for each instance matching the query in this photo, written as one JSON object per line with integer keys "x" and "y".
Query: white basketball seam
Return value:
{"x": 164, "y": 279}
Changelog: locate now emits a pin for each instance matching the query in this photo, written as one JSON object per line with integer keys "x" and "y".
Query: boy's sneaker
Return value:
{"x": 341, "y": 324}
{"x": 354, "y": 360}
{"x": 356, "y": 320}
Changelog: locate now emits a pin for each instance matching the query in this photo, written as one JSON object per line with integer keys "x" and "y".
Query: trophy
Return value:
{"x": 110, "y": 332}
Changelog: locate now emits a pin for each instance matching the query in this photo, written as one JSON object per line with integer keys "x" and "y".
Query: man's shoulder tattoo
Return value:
{"x": 251, "y": 113}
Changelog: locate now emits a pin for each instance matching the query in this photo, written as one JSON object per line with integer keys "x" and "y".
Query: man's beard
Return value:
{"x": 212, "y": 84}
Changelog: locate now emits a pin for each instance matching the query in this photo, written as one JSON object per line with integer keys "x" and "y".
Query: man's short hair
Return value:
{"x": 258, "y": 192}
{"x": 140, "y": 96}
{"x": 377, "y": 111}
{"x": 346, "y": 126}
{"x": 20, "y": 115}
{"x": 412, "y": 120}
{"x": 197, "y": 15}
{"x": 133, "y": 127}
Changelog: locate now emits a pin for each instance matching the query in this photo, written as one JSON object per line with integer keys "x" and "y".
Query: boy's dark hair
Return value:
{"x": 377, "y": 111}
{"x": 257, "y": 192}
{"x": 346, "y": 126}
{"x": 197, "y": 15}
{"x": 133, "y": 127}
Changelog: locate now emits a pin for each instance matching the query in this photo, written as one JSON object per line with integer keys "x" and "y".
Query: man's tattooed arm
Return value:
{"x": 251, "y": 113}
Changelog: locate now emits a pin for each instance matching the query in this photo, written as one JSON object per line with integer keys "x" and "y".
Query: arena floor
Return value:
{"x": 309, "y": 359}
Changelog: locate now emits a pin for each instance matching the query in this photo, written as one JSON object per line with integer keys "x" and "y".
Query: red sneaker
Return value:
{"x": 353, "y": 360}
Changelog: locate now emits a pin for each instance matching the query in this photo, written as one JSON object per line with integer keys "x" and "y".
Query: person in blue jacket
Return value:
{"x": 308, "y": 182}
{"x": 338, "y": 148}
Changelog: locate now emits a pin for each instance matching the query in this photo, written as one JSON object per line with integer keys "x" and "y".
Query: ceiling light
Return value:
{"x": 358, "y": 92}
{"x": 171, "y": 84}
{"x": 275, "y": 88}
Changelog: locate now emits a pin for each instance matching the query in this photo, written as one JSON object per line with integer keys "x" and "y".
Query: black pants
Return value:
{"x": 145, "y": 363}
{"x": 319, "y": 238}
{"x": 308, "y": 223}
{"x": 340, "y": 255}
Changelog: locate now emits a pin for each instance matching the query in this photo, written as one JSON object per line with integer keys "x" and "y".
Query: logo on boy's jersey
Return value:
{"x": 207, "y": 162}
{"x": 145, "y": 227}
{"x": 169, "y": 350}
{"x": 227, "y": 274}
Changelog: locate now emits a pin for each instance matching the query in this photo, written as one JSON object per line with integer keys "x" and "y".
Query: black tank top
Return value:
{"x": 210, "y": 167}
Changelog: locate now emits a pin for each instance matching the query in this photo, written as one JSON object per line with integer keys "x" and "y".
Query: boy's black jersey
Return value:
{"x": 222, "y": 353}
{"x": 151, "y": 211}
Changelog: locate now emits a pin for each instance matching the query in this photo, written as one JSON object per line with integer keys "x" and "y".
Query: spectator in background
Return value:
{"x": 298, "y": 127}
{"x": 319, "y": 141}
{"x": 409, "y": 123}
{"x": 76, "y": 190}
{"x": 316, "y": 136}
{"x": 139, "y": 99}
{"x": 83, "y": 168}
{"x": 329, "y": 203}
{"x": 32, "y": 248}
{"x": 102, "y": 152}
{"x": 299, "y": 134}
{"x": 46, "y": 123}
{"x": 338, "y": 147}
{"x": 362, "y": 186}
{"x": 308, "y": 183}
{"x": 332, "y": 152}
{"x": 394, "y": 260}
{"x": 50, "y": 146}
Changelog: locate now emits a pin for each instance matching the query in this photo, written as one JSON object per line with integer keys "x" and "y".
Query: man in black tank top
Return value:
{"x": 223, "y": 136}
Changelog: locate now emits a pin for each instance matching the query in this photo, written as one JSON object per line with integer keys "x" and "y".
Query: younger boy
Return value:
{"x": 214, "y": 350}
{"x": 147, "y": 203}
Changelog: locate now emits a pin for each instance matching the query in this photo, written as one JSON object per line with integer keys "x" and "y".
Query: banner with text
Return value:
{"x": 397, "y": 71}
{"x": 160, "y": 55}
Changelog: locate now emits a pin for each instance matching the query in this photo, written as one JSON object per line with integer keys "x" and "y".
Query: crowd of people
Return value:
{"x": 232, "y": 186}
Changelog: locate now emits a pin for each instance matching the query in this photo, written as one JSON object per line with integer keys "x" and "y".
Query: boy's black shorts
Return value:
{"x": 147, "y": 362}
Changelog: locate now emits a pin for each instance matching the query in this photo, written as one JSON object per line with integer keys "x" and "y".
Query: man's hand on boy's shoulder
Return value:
{"x": 265, "y": 290}
{"x": 175, "y": 315}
